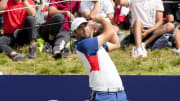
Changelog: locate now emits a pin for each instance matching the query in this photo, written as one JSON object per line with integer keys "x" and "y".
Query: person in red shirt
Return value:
{"x": 14, "y": 19}
{"x": 58, "y": 35}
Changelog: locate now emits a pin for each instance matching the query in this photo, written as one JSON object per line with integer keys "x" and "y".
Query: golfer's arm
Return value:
{"x": 107, "y": 33}
{"x": 114, "y": 43}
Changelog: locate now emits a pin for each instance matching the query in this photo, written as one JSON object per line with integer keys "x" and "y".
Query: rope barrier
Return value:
{"x": 17, "y": 30}
{"x": 46, "y": 4}
{"x": 170, "y": 2}
{"x": 3, "y": 11}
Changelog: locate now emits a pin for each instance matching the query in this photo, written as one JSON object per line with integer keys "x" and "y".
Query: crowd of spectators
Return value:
{"x": 147, "y": 21}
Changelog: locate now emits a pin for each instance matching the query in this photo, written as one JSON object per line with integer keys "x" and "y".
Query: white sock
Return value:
{"x": 143, "y": 45}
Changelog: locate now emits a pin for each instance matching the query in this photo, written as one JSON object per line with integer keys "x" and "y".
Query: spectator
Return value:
{"x": 147, "y": 16}
{"x": 58, "y": 35}
{"x": 18, "y": 19}
{"x": 122, "y": 17}
{"x": 171, "y": 12}
{"x": 104, "y": 79}
{"x": 105, "y": 8}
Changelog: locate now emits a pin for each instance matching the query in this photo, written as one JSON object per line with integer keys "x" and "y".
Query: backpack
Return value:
{"x": 44, "y": 46}
{"x": 165, "y": 41}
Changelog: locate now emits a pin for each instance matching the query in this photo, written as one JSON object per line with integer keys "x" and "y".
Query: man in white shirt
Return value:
{"x": 147, "y": 16}
{"x": 171, "y": 27}
{"x": 102, "y": 7}
{"x": 104, "y": 79}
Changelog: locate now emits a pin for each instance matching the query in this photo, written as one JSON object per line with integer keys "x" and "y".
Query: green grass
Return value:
{"x": 158, "y": 62}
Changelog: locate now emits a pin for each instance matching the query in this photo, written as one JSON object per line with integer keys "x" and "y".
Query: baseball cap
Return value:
{"x": 77, "y": 22}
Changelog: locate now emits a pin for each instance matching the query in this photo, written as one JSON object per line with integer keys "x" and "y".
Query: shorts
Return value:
{"x": 132, "y": 40}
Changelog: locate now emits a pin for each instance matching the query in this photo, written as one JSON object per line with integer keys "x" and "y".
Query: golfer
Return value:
{"x": 104, "y": 79}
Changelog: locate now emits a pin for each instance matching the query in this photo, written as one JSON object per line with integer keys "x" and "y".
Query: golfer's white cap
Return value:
{"x": 77, "y": 22}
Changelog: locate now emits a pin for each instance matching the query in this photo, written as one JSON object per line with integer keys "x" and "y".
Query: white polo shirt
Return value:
{"x": 145, "y": 10}
{"x": 106, "y": 7}
{"x": 101, "y": 69}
